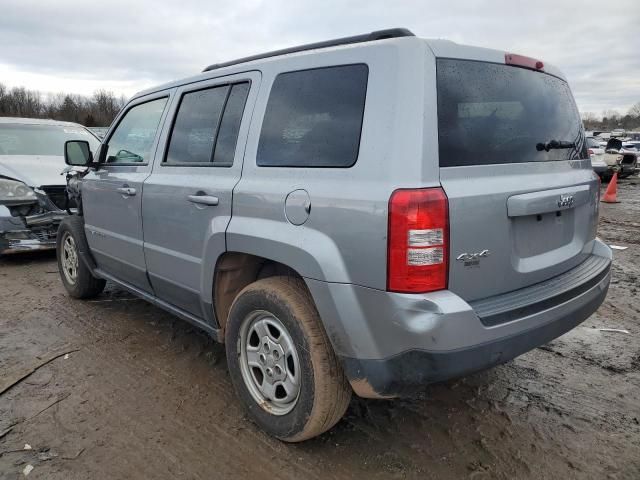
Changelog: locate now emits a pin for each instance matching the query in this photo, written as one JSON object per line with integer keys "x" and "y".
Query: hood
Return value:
{"x": 34, "y": 170}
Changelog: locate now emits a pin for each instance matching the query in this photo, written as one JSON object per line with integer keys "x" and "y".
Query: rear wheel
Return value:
{"x": 75, "y": 275}
{"x": 281, "y": 362}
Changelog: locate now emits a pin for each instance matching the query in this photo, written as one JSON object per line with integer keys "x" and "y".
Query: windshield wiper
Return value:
{"x": 554, "y": 144}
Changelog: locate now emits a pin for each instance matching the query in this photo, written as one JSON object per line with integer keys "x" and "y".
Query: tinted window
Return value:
{"x": 490, "y": 113}
{"x": 228, "y": 134}
{"x": 45, "y": 140}
{"x": 133, "y": 138}
{"x": 196, "y": 124}
{"x": 314, "y": 118}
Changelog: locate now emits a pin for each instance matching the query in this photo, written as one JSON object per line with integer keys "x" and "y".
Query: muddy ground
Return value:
{"x": 140, "y": 394}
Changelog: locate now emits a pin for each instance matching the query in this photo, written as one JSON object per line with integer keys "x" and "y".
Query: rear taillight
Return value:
{"x": 418, "y": 251}
{"x": 590, "y": 151}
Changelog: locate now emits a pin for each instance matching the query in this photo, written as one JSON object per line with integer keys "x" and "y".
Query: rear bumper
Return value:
{"x": 602, "y": 169}
{"x": 404, "y": 373}
{"x": 391, "y": 344}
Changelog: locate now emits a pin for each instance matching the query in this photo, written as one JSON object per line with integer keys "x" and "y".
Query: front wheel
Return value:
{"x": 281, "y": 362}
{"x": 75, "y": 275}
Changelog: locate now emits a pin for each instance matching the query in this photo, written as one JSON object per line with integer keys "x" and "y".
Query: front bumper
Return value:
{"x": 18, "y": 241}
{"x": 391, "y": 344}
{"x": 37, "y": 232}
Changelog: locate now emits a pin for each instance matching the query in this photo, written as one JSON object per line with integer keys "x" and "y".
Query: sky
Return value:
{"x": 80, "y": 46}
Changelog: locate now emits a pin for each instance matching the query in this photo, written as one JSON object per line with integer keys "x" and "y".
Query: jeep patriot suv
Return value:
{"x": 370, "y": 214}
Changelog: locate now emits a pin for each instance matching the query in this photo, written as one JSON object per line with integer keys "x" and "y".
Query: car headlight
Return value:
{"x": 13, "y": 192}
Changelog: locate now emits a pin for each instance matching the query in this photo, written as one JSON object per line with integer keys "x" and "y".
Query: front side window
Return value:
{"x": 314, "y": 118}
{"x": 133, "y": 138}
{"x": 206, "y": 128}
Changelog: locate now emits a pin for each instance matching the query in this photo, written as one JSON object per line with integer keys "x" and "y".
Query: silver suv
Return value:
{"x": 369, "y": 215}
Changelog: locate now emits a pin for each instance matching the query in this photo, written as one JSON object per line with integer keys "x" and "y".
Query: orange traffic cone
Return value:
{"x": 611, "y": 195}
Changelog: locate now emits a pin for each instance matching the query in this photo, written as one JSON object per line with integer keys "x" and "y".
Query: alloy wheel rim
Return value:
{"x": 269, "y": 363}
{"x": 69, "y": 259}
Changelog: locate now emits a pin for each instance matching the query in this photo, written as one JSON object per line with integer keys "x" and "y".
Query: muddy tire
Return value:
{"x": 75, "y": 275}
{"x": 281, "y": 362}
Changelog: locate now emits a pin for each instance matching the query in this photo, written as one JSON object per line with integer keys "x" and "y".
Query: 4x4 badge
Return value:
{"x": 470, "y": 257}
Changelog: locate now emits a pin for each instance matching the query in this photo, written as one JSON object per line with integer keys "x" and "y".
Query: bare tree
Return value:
{"x": 98, "y": 110}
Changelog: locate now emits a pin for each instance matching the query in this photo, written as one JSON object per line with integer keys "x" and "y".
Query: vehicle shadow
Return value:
{"x": 20, "y": 258}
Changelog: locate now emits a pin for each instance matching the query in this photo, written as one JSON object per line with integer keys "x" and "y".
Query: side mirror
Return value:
{"x": 77, "y": 153}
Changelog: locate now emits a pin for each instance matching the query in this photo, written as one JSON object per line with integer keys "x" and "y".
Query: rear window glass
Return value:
{"x": 493, "y": 114}
{"x": 314, "y": 118}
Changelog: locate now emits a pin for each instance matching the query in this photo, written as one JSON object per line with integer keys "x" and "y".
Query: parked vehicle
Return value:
{"x": 32, "y": 191}
{"x": 315, "y": 211}
{"x": 632, "y": 145}
{"x": 596, "y": 153}
{"x": 620, "y": 157}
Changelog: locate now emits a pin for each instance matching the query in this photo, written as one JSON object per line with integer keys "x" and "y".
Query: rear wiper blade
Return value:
{"x": 553, "y": 144}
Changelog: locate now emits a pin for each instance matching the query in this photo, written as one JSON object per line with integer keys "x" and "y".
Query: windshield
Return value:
{"x": 592, "y": 143}
{"x": 491, "y": 113}
{"x": 19, "y": 139}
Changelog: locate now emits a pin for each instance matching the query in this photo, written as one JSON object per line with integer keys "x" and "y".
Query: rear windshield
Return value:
{"x": 32, "y": 139}
{"x": 490, "y": 113}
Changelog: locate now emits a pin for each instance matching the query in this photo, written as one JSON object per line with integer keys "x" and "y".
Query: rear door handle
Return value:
{"x": 203, "y": 199}
{"x": 129, "y": 191}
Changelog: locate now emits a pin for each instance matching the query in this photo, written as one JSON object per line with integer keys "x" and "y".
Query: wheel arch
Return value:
{"x": 234, "y": 271}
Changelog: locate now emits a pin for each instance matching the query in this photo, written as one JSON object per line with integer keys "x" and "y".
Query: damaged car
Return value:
{"x": 620, "y": 157}
{"x": 33, "y": 197}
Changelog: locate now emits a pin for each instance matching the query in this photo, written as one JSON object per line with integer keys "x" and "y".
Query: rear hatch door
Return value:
{"x": 514, "y": 164}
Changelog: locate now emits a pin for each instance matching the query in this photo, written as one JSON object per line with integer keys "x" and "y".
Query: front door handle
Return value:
{"x": 128, "y": 191}
{"x": 203, "y": 199}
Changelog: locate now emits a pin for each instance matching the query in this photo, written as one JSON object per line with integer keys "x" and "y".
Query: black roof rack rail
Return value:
{"x": 367, "y": 37}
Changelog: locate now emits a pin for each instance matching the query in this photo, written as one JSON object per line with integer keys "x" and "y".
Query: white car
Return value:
{"x": 596, "y": 153}
{"x": 32, "y": 192}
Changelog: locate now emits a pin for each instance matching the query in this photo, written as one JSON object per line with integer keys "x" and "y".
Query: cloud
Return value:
{"x": 130, "y": 45}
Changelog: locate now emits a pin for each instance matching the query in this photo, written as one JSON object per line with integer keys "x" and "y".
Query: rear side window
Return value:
{"x": 206, "y": 127}
{"x": 314, "y": 118}
{"x": 494, "y": 114}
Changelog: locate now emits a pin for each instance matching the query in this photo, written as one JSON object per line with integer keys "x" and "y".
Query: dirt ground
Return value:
{"x": 132, "y": 392}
